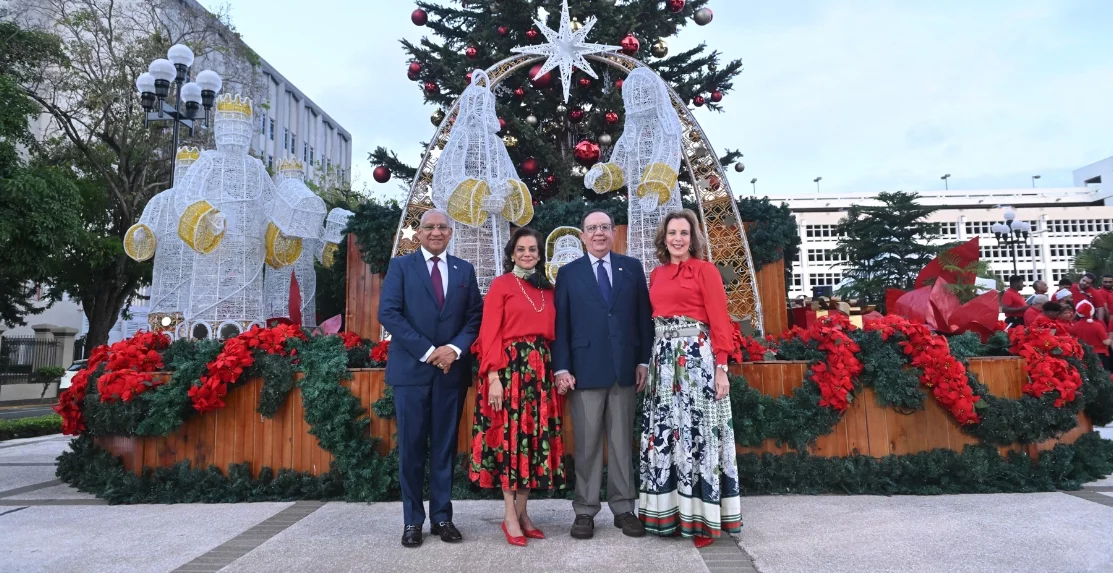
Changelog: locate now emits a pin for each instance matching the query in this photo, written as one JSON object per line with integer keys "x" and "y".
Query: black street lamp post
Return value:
{"x": 154, "y": 89}
{"x": 1012, "y": 233}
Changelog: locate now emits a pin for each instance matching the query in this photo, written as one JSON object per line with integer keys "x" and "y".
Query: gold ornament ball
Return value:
{"x": 712, "y": 67}
{"x": 531, "y": 120}
{"x": 605, "y": 139}
{"x": 437, "y": 117}
{"x": 660, "y": 48}
{"x": 510, "y": 141}
{"x": 576, "y": 25}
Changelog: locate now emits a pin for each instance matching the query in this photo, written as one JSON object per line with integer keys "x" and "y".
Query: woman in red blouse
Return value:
{"x": 689, "y": 476}
{"x": 516, "y": 439}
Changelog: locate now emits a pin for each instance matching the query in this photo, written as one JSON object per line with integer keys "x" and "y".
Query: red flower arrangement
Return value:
{"x": 350, "y": 340}
{"x": 1045, "y": 349}
{"x": 944, "y": 374}
{"x": 236, "y": 357}
{"x": 129, "y": 366}
{"x": 835, "y": 377}
{"x": 379, "y": 352}
{"x": 746, "y": 348}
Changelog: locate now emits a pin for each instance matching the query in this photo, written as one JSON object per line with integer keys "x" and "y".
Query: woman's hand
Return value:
{"x": 494, "y": 391}
{"x": 722, "y": 384}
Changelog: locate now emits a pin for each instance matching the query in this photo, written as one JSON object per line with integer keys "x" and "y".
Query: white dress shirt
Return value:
{"x": 443, "y": 265}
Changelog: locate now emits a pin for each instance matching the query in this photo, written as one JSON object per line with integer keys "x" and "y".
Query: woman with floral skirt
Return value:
{"x": 689, "y": 473}
{"x": 516, "y": 440}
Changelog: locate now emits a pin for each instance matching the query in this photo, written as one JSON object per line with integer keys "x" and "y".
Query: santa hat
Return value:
{"x": 1064, "y": 293}
{"x": 1085, "y": 309}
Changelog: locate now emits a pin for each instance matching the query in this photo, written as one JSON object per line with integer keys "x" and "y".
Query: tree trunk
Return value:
{"x": 108, "y": 292}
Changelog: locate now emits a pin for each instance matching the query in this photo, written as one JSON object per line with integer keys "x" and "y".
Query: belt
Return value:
{"x": 675, "y": 332}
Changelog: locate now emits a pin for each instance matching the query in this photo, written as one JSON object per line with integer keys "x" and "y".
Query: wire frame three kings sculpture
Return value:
{"x": 726, "y": 238}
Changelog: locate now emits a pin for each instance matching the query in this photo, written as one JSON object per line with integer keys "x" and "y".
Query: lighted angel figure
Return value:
{"x": 646, "y": 159}
{"x": 233, "y": 218}
{"x": 299, "y": 216}
{"x": 322, "y": 249}
{"x": 563, "y": 246}
{"x": 475, "y": 182}
{"x": 156, "y": 235}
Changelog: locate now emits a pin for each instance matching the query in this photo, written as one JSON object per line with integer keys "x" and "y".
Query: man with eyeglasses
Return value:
{"x": 431, "y": 306}
{"x": 604, "y": 336}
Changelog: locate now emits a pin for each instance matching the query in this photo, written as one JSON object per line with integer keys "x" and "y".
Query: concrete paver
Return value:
{"x": 20, "y": 476}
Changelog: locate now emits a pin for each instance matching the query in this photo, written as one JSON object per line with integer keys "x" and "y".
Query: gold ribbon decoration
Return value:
{"x": 328, "y": 254}
{"x": 201, "y": 227}
{"x": 609, "y": 180}
{"x": 282, "y": 250}
{"x": 519, "y": 204}
{"x": 466, "y": 202}
{"x": 140, "y": 242}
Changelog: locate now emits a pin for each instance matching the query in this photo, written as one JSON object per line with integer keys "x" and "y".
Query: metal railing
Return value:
{"x": 22, "y": 356}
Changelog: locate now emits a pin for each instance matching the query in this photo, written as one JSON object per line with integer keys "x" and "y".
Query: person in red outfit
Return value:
{"x": 516, "y": 441}
{"x": 1092, "y": 332}
{"x": 1035, "y": 308}
{"x": 689, "y": 474}
{"x": 1012, "y": 304}
{"x": 1085, "y": 291}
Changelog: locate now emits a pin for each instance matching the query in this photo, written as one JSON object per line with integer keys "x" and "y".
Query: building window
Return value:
{"x": 948, "y": 230}
{"x": 305, "y": 153}
{"x": 285, "y": 138}
{"x": 820, "y": 231}
{"x": 825, "y": 279}
{"x": 270, "y": 161}
{"x": 272, "y": 129}
{"x": 311, "y": 155}
{"x": 294, "y": 144}
{"x": 824, "y": 256}
{"x": 796, "y": 281}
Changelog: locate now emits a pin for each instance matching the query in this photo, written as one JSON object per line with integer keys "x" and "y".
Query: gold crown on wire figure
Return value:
{"x": 290, "y": 164}
{"x": 187, "y": 153}
{"x": 234, "y": 104}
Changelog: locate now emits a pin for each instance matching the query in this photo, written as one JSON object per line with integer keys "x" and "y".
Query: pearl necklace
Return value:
{"x": 528, "y": 299}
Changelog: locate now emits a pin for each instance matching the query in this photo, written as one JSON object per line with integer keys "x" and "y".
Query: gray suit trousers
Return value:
{"x": 599, "y": 412}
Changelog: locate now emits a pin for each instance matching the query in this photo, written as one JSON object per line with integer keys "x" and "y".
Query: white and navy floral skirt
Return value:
{"x": 689, "y": 471}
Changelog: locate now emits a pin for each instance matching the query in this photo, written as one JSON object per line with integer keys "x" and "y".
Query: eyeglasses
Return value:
{"x": 591, "y": 229}
{"x": 441, "y": 228}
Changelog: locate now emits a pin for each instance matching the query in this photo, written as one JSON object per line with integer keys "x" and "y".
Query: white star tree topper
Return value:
{"x": 565, "y": 48}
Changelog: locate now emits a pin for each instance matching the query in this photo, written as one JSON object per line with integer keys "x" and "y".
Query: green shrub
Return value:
{"x": 30, "y": 427}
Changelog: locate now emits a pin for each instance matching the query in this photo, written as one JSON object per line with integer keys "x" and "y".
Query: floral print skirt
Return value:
{"x": 520, "y": 446}
{"x": 689, "y": 472}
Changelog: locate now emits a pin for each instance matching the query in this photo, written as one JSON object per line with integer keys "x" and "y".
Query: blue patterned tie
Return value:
{"x": 604, "y": 282}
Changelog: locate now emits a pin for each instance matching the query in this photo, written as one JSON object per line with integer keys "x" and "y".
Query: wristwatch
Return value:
{"x": 723, "y": 367}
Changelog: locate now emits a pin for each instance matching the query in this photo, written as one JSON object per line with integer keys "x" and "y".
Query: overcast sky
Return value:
{"x": 872, "y": 95}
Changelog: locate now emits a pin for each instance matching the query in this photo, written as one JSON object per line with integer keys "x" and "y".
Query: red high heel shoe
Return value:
{"x": 517, "y": 541}
{"x": 533, "y": 533}
{"x": 702, "y": 542}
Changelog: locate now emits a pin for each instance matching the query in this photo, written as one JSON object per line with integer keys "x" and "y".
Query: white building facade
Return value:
{"x": 1064, "y": 221}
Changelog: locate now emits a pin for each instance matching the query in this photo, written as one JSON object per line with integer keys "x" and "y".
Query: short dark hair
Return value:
{"x": 542, "y": 281}
{"x": 1107, "y": 276}
{"x": 1052, "y": 307}
{"x": 1090, "y": 276}
{"x": 583, "y": 221}
{"x": 1016, "y": 279}
{"x": 1065, "y": 282}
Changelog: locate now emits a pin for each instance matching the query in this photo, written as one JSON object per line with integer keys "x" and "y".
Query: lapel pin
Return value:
{"x": 620, "y": 268}
{"x": 455, "y": 267}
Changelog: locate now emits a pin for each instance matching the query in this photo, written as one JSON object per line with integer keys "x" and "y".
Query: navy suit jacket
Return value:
{"x": 409, "y": 313}
{"x": 601, "y": 344}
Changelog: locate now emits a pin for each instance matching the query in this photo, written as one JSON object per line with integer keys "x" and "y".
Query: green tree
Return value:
{"x": 39, "y": 204}
{"x": 886, "y": 245}
{"x": 461, "y": 24}
{"x": 1098, "y": 257}
{"x": 96, "y": 128}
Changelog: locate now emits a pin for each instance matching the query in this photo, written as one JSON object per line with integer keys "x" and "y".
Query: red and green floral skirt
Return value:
{"x": 520, "y": 446}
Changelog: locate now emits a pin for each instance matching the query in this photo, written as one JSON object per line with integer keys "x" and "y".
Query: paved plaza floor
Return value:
{"x": 47, "y": 526}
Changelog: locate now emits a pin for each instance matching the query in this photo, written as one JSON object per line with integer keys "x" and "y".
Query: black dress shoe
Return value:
{"x": 583, "y": 527}
{"x": 630, "y": 525}
{"x": 447, "y": 531}
{"x": 411, "y": 536}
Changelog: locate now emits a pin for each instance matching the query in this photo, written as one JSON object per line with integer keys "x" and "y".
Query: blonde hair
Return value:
{"x": 695, "y": 247}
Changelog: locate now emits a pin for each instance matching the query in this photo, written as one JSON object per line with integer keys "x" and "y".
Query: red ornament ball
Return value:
{"x": 531, "y": 34}
{"x": 419, "y": 17}
{"x": 675, "y": 6}
{"x": 502, "y": 124}
{"x": 618, "y": 83}
{"x": 430, "y": 88}
{"x": 415, "y": 68}
{"x": 576, "y": 115}
{"x": 716, "y": 96}
{"x": 630, "y": 45}
{"x": 587, "y": 153}
{"x": 585, "y": 82}
{"x": 610, "y": 117}
{"x": 467, "y": 78}
{"x": 698, "y": 100}
{"x": 543, "y": 82}
{"x": 381, "y": 174}
{"x": 520, "y": 93}
{"x": 529, "y": 167}
{"x": 413, "y": 76}
{"x": 550, "y": 180}
{"x": 471, "y": 52}
{"x": 504, "y": 31}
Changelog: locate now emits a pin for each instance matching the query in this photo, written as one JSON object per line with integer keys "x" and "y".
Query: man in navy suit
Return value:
{"x": 431, "y": 306}
{"x": 604, "y": 337}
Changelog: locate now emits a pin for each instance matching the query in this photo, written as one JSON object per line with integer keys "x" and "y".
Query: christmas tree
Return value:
{"x": 550, "y": 141}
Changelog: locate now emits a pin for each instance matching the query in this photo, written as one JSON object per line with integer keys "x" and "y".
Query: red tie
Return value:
{"x": 438, "y": 286}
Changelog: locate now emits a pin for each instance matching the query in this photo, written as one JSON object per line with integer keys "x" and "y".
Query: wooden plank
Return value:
{"x": 467, "y": 418}
{"x": 259, "y": 444}
{"x": 297, "y": 433}
{"x": 937, "y": 424}
{"x": 619, "y": 239}
{"x": 774, "y": 297}
{"x": 877, "y": 425}
{"x": 221, "y": 419}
